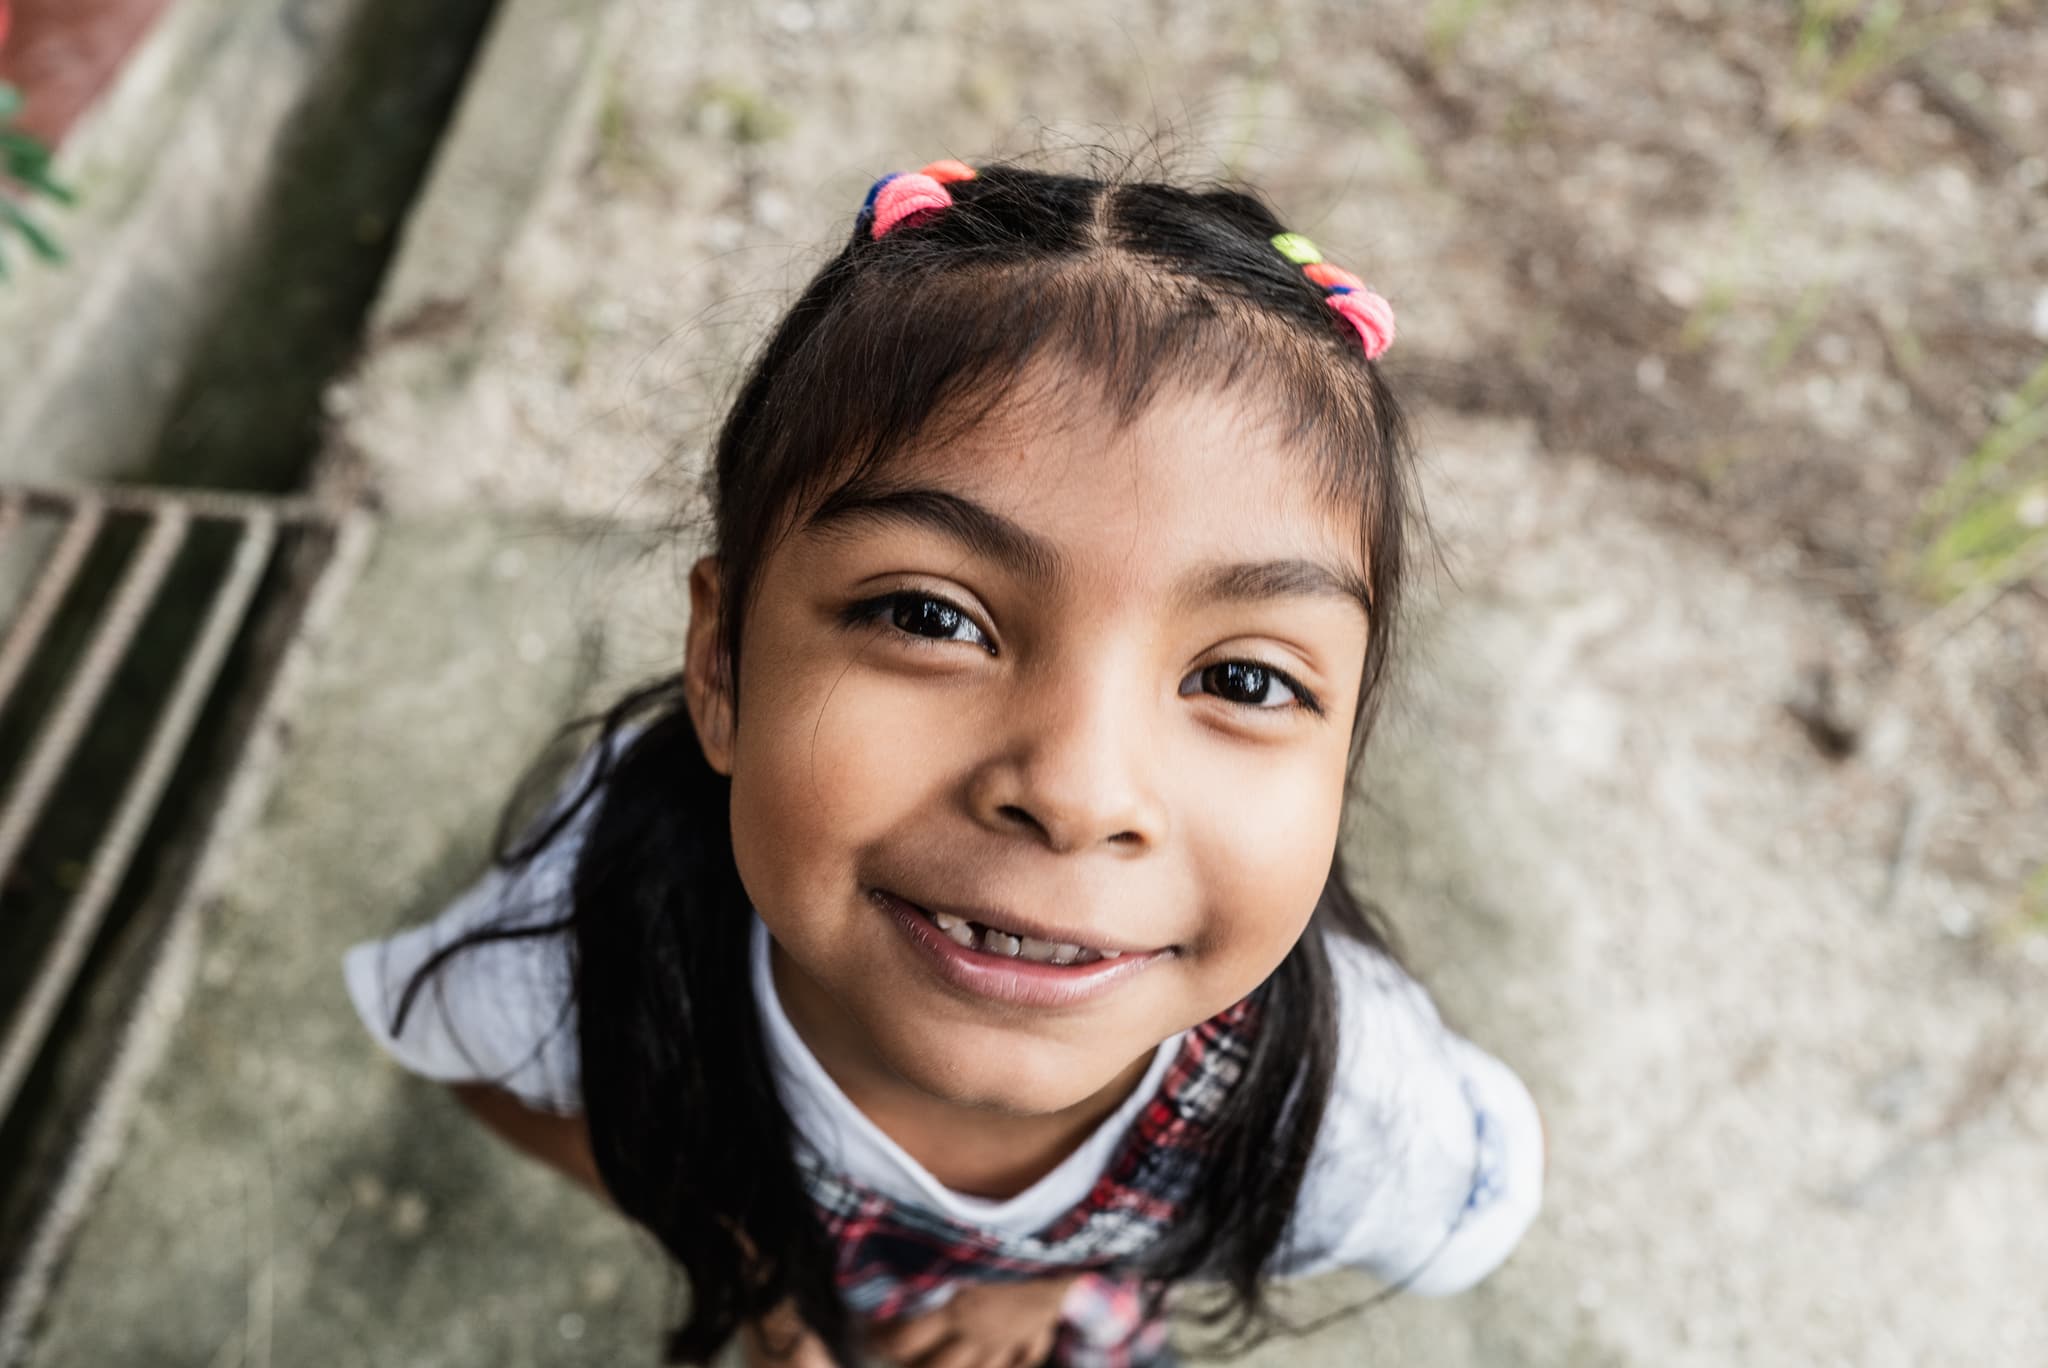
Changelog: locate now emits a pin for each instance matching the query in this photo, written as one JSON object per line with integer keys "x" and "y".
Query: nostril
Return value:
{"x": 1017, "y": 814}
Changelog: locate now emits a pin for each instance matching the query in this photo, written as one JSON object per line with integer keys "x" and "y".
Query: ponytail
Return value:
{"x": 690, "y": 1138}
{"x": 688, "y": 1132}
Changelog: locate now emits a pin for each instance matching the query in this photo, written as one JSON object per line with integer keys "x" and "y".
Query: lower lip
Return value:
{"x": 1003, "y": 978}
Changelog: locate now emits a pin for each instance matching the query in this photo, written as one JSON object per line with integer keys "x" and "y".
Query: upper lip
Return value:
{"x": 1021, "y": 924}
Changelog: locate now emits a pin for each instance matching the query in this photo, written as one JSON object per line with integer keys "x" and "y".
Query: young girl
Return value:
{"x": 976, "y": 965}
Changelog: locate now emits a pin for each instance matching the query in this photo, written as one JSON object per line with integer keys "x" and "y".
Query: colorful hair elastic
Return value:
{"x": 1370, "y": 316}
{"x": 902, "y": 197}
{"x": 910, "y": 197}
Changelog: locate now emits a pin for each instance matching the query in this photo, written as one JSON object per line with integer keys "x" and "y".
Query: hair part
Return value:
{"x": 1135, "y": 287}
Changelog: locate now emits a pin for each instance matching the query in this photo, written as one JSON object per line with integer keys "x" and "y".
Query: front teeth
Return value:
{"x": 1038, "y": 951}
{"x": 992, "y": 942}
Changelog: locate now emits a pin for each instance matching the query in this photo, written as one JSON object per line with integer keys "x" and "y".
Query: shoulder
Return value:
{"x": 499, "y": 1010}
{"x": 1428, "y": 1167}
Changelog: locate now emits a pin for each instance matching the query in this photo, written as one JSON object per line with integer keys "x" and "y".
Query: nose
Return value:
{"x": 1075, "y": 764}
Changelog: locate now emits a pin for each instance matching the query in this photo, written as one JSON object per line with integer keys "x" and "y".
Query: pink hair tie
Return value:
{"x": 904, "y": 197}
{"x": 1371, "y": 316}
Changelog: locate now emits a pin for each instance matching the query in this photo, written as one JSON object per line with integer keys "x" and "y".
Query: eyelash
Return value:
{"x": 870, "y": 612}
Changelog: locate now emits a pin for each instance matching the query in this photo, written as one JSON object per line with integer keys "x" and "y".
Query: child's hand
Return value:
{"x": 782, "y": 1330}
{"x": 985, "y": 1325}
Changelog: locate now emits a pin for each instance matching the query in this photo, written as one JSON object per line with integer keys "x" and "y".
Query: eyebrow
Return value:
{"x": 991, "y": 536}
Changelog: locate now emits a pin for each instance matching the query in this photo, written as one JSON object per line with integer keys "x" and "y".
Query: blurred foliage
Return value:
{"x": 747, "y": 116}
{"x": 24, "y": 172}
{"x": 2029, "y": 916}
{"x": 1844, "y": 45}
{"x": 1986, "y": 527}
{"x": 1449, "y": 21}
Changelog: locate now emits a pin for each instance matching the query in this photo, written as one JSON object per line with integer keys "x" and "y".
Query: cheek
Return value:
{"x": 820, "y": 769}
{"x": 1264, "y": 858}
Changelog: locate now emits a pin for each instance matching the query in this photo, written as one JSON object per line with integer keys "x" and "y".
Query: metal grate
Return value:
{"x": 242, "y": 536}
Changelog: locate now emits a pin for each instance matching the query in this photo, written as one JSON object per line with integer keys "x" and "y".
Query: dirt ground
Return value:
{"x": 1788, "y": 264}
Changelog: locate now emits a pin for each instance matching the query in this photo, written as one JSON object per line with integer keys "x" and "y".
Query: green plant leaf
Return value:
{"x": 39, "y": 242}
{"x": 1980, "y": 529}
{"x": 27, "y": 162}
{"x": 40, "y": 181}
{"x": 10, "y": 102}
{"x": 21, "y": 150}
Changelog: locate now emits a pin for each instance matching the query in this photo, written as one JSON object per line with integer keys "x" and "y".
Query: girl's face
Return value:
{"x": 1056, "y": 677}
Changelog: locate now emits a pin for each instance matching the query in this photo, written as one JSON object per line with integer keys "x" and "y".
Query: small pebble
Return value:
{"x": 770, "y": 208}
{"x": 570, "y": 1326}
{"x": 2033, "y": 509}
{"x": 1954, "y": 185}
{"x": 367, "y": 1191}
{"x": 601, "y": 1283}
{"x": 409, "y": 1215}
{"x": 1679, "y": 287}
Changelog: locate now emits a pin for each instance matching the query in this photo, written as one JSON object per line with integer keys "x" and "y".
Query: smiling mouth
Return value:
{"x": 994, "y": 940}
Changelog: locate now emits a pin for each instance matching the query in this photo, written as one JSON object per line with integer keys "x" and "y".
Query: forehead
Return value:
{"x": 1196, "y": 476}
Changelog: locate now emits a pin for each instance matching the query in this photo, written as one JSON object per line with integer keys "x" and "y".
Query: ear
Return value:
{"x": 706, "y": 684}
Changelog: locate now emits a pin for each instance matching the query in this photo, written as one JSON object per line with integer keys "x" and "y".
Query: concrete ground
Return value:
{"x": 283, "y": 1196}
{"x": 1774, "y": 1001}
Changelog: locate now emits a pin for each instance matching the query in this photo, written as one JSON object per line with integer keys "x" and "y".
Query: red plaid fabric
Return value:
{"x": 898, "y": 1260}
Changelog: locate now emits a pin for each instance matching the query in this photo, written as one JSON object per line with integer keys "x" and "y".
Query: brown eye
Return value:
{"x": 926, "y": 617}
{"x": 1249, "y": 682}
{"x": 921, "y": 617}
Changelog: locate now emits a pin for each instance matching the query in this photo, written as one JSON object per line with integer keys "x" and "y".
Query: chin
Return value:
{"x": 1009, "y": 1071}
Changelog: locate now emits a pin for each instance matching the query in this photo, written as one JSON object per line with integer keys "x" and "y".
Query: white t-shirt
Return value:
{"x": 1430, "y": 1155}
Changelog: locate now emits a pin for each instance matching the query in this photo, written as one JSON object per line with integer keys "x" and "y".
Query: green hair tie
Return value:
{"x": 1297, "y": 249}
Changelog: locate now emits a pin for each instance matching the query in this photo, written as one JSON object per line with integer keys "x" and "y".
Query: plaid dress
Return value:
{"x": 896, "y": 1259}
